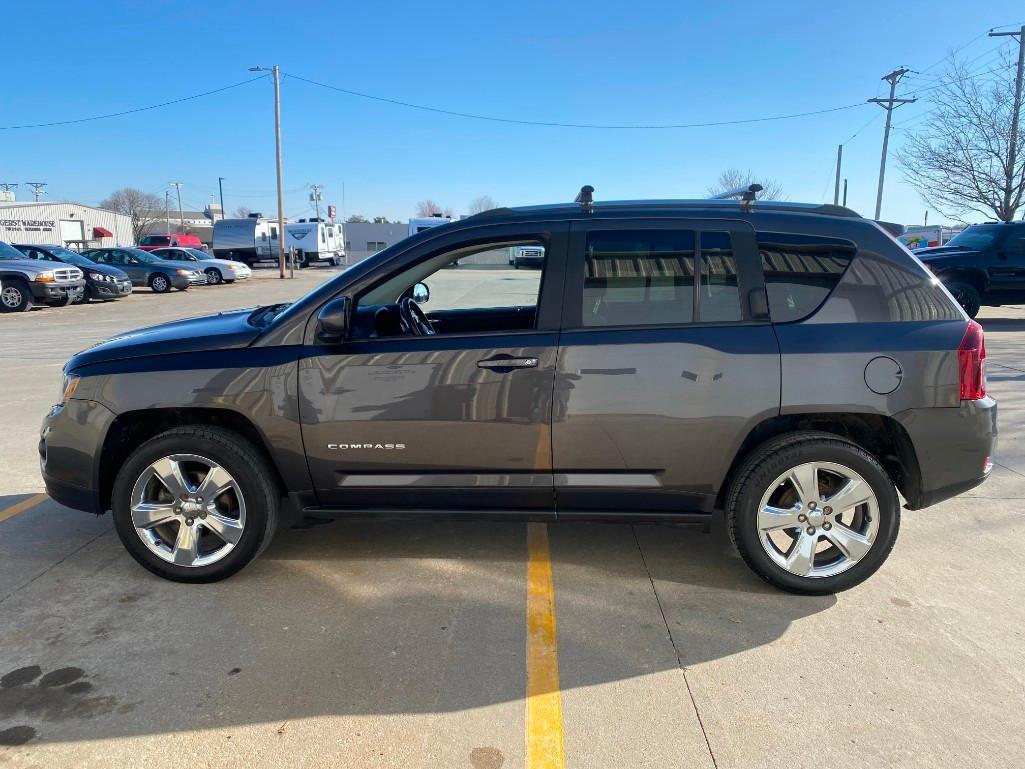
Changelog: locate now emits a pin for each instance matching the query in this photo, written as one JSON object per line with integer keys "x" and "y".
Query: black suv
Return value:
{"x": 789, "y": 365}
{"x": 984, "y": 264}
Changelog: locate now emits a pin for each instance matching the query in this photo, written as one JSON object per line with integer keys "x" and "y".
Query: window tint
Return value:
{"x": 800, "y": 271}
{"x": 719, "y": 295}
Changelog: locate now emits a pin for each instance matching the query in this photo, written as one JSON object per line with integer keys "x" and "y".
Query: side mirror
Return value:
{"x": 421, "y": 294}
{"x": 333, "y": 321}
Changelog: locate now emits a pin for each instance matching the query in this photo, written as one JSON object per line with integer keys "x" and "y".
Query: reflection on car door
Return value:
{"x": 453, "y": 422}
{"x": 658, "y": 358}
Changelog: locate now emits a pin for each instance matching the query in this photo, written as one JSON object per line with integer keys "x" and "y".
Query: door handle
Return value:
{"x": 507, "y": 363}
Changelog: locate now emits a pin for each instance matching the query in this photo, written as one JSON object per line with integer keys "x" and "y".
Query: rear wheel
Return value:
{"x": 195, "y": 504}
{"x": 813, "y": 513}
{"x": 967, "y": 296}
{"x": 160, "y": 283}
{"x": 15, "y": 296}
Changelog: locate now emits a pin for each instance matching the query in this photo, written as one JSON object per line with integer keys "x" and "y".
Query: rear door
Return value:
{"x": 666, "y": 361}
{"x": 1007, "y": 264}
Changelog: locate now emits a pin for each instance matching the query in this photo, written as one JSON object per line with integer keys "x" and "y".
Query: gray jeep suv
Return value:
{"x": 789, "y": 366}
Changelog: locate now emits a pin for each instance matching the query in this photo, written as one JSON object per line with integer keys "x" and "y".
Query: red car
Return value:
{"x": 151, "y": 242}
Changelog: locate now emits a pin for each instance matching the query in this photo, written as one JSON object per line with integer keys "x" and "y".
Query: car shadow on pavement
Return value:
{"x": 367, "y": 618}
{"x": 1001, "y": 325}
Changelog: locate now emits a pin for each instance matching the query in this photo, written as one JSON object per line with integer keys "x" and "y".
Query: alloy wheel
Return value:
{"x": 213, "y": 276}
{"x": 188, "y": 510}
{"x": 818, "y": 519}
{"x": 11, "y": 297}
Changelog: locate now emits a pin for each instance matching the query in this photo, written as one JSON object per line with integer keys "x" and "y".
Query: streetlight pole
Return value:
{"x": 276, "y": 74}
{"x": 181, "y": 213}
{"x": 220, "y": 187}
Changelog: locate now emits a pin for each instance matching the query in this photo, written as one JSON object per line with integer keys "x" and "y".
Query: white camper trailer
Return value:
{"x": 426, "y": 222}
{"x": 248, "y": 240}
{"x": 315, "y": 240}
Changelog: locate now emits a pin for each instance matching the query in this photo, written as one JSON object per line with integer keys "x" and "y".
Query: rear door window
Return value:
{"x": 801, "y": 271}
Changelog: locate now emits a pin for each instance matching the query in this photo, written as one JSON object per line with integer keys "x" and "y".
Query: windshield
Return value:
{"x": 69, "y": 256}
{"x": 203, "y": 256}
{"x": 9, "y": 252}
{"x": 978, "y": 237}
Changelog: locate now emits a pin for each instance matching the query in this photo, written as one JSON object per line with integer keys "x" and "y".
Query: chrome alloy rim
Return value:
{"x": 188, "y": 510}
{"x": 818, "y": 519}
{"x": 159, "y": 283}
{"x": 213, "y": 276}
{"x": 11, "y": 296}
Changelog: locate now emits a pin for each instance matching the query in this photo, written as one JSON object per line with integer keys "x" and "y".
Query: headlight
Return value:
{"x": 44, "y": 277}
{"x": 97, "y": 276}
{"x": 68, "y": 387}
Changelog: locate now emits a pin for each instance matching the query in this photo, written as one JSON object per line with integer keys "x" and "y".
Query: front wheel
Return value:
{"x": 15, "y": 296}
{"x": 967, "y": 296}
{"x": 195, "y": 504}
{"x": 160, "y": 284}
{"x": 813, "y": 513}
{"x": 213, "y": 276}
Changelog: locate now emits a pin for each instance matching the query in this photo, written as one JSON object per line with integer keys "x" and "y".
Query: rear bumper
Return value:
{"x": 954, "y": 447}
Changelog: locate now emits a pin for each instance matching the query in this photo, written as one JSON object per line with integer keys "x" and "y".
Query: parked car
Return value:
{"x": 984, "y": 264}
{"x": 26, "y": 281}
{"x": 216, "y": 270}
{"x": 788, "y": 366}
{"x": 152, "y": 242}
{"x": 102, "y": 282}
{"x": 145, "y": 269}
{"x": 528, "y": 256}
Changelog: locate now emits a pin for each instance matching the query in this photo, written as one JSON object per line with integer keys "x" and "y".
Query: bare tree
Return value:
{"x": 242, "y": 212}
{"x": 356, "y": 219}
{"x": 143, "y": 208}
{"x": 733, "y": 178}
{"x": 481, "y": 203}
{"x": 428, "y": 207}
{"x": 380, "y": 220}
{"x": 959, "y": 159}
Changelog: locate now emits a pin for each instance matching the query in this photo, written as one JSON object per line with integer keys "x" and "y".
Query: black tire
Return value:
{"x": 767, "y": 463}
{"x": 967, "y": 296}
{"x": 159, "y": 283}
{"x": 83, "y": 296}
{"x": 14, "y": 295}
{"x": 213, "y": 276}
{"x": 236, "y": 455}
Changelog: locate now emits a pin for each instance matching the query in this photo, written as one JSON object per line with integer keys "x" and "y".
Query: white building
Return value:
{"x": 65, "y": 224}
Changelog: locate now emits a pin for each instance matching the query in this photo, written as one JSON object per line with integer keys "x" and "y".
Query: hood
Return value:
{"x": 31, "y": 266}
{"x": 935, "y": 251}
{"x": 105, "y": 269}
{"x": 223, "y": 331}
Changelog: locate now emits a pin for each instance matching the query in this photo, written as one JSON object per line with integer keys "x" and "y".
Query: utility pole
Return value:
{"x": 167, "y": 210}
{"x": 836, "y": 186}
{"x": 845, "y": 192}
{"x": 276, "y": 74}
{"x": 220, "y": 187}
{"x": 1012, "y": 145}
{"x": 37, "y": 189}
{"x": 315, "y": 196}
{"x": 889, "y": 105}
{"x": 181, "y": 213}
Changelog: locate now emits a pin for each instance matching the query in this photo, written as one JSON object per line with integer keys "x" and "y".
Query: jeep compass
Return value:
{"x": 788, "y": 366}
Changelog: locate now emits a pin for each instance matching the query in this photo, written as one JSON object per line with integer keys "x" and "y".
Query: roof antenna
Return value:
{"x": 746, "y": 194}
{"x": 585, "y": 198}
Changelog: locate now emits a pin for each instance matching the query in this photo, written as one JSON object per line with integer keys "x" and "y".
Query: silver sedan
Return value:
{"x": 216, "y": 270}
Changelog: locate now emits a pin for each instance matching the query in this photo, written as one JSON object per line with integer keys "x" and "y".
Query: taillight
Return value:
{"x": 971, "y": 359}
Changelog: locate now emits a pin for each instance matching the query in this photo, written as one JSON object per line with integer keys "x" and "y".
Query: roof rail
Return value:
{"x": 746, "y": 194}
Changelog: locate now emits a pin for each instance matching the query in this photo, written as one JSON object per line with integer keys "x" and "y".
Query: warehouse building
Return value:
{"x": 68, "y": 224}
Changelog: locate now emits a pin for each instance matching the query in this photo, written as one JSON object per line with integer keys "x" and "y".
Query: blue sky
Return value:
{"x": 621, "y": 63}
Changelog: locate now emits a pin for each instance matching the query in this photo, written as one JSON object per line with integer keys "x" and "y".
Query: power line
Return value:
{"x": 553, "y": 124}
{"x": 132, "y": 111}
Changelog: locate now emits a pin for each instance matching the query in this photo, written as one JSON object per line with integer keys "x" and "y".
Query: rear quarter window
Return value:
{"x": 801, "y": 271}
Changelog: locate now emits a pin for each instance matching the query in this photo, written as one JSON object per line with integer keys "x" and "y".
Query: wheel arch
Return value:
{"x": 882, "y": 436}
{"x": 974, "y": 277}
{"x": 131, "y": 429}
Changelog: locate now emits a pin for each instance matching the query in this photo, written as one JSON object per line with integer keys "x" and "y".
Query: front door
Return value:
{"x": 456, "y": 420}
{"x": 1007, "y": 266}
{"x": 665, "y": 362}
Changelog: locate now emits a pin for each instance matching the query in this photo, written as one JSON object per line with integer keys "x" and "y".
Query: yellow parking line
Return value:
{"x": 544, "y": 700}
{"x": 22, "y": 506}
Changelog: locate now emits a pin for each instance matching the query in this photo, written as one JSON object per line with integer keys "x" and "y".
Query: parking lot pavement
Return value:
{"x": 404, "y": 644}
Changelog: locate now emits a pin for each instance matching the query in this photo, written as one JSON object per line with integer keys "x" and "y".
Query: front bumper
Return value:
{"x": 48, "y": 292}
{"x": 242, "y": 274}
{"x": 103, "y": 289}
{"x": 196, "y": 279}
{"x": 70, "y": 451}
{"x": 954, "y": 448}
